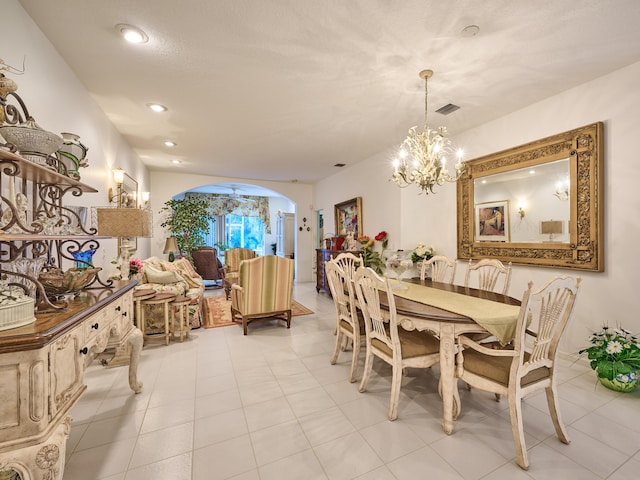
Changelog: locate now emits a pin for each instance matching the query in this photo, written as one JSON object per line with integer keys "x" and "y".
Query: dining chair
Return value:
{"x": 349, "y": 322}
{"x": 443, "y": 269}
{"x": 487, "y": 272}
{"x": 520, "y": 368}
{"x": 385, "y": 339}
{"x": 349, "y": 262}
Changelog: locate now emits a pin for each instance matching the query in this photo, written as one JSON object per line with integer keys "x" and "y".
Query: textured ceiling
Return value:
{"x": 284, "y": 89}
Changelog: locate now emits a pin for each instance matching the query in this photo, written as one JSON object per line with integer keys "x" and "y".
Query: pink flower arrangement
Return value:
{"x": 135, "y": 266}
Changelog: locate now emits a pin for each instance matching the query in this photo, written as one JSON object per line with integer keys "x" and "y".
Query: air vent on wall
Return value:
{"x": 447, "y": 109}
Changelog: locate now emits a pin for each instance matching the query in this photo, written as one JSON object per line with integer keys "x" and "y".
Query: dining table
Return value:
{"x": 448, "y": 311}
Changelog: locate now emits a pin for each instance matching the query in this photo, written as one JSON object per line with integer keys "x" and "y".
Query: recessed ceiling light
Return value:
{"x": 470, "y": 31}
{"x": 132, "y": 34}
{"x": 532, "y": 172}
{"x": 176, "y": 162}
{"x": 156, "y": 107}
{"x": 169, "y": 143}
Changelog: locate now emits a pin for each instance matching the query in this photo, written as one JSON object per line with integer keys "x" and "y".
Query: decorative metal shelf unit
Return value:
{"x": 38, "y": 231}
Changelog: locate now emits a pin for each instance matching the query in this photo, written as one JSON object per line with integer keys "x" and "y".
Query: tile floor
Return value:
{"x": 270, "y": 406}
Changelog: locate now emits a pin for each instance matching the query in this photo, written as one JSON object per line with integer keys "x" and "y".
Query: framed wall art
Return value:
{"x": 492, "y": 221}
{"x": 348, "y": 217}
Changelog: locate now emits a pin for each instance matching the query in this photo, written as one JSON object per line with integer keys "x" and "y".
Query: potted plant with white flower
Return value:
{"x": 615, "y": 356}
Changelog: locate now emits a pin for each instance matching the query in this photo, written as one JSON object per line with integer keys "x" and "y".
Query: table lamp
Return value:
{"x": 124, "y": 223}
{"x": 170, "y": 247}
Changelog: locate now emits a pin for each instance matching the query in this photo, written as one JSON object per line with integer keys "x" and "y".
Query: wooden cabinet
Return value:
{"x": 323, "y": 256}
{"x": 42, "y": 369}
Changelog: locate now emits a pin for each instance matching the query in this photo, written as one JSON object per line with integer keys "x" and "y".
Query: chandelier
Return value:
{"x": 423, "y": 155}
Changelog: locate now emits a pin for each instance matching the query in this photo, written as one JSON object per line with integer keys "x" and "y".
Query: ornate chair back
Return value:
{"x": 488, "y": 272}
{"x": 443, "y": 269}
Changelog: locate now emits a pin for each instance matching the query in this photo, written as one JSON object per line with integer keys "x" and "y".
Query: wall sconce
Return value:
{"x": 118, "y": 178}
{"x": 145, "y": 199}
{"x": 521, "y": 206}
{"x": 562, "y": 190}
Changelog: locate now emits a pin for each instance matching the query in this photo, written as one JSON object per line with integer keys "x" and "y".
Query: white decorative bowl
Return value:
{"x": 29, "y": 137}
{"x": 17, "y": 314}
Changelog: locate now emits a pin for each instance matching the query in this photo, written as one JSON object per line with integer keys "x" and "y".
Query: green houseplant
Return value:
{"x": 615, "y": 356}
{"x": 187, "y": 220}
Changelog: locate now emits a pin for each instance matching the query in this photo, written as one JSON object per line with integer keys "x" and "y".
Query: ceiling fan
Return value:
{"x": 235, "y": 196}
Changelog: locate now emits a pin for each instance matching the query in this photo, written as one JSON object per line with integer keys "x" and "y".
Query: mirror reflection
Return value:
{"x": 528, "y": 204}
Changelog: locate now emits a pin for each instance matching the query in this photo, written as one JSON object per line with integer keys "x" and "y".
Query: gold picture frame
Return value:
{"x": 348, "y": 217}
{"x": 492, "y": 221}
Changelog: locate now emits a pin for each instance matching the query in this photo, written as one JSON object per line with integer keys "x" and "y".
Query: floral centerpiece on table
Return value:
{"x": 421, "y": 253}
{"x": 370, "y": 256}
{"x": 135, "y": 267}
{"x": 615, "y": 356}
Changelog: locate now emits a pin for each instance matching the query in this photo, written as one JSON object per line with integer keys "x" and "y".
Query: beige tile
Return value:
{"x": 169, "y": 469}
{"x": 218, "y": 428}
{"x": 162, "y": 444}
{"x": 303, "y": 465}
{"x": 230, "y": 458}
{"x": 347, "y": 457}
{"x": 277, "y": 442}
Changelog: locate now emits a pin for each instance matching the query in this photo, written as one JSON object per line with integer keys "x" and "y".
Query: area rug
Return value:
{"x": 217, "y": 311}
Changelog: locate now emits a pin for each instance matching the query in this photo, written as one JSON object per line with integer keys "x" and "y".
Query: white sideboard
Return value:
{"x": 42, "y": 368}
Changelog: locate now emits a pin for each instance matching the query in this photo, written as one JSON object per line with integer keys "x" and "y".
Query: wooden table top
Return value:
{"x": 51, "y": 325}
{"x": 160, "y": 298}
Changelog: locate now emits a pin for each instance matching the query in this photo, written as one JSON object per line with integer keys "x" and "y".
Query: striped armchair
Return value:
{"x": 264, "y": 290}
{"x": 232, "y": 259}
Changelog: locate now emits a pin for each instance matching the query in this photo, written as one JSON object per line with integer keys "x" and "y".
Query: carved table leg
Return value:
{"x": 44, "y": 461}
{"x": 447, "y": 375}
{"x": 135, "y": 340}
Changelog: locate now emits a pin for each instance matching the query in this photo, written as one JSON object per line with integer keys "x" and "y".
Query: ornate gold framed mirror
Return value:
{"x": 536, "y": 204}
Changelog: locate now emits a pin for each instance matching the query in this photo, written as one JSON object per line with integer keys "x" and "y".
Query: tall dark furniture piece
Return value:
{"x": 323, "y": 256}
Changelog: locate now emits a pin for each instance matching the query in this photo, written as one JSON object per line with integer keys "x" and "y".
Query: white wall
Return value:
{"x": 607, "y": 297}
{"x": 59, "y": 103}
{"x": 165, "y": 185}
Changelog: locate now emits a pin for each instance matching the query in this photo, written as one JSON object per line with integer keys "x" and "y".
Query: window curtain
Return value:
{"x": 244, "y": 205}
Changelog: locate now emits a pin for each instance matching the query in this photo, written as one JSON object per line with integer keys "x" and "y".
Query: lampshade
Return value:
{"x": 171, "y": 245}
{"x": 124, "y": 222}
{"x": 551, "y": 227}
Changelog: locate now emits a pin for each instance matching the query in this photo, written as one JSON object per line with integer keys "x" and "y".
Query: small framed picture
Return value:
{"x": 492, "y": 221}
{"x": 348, "y": 217}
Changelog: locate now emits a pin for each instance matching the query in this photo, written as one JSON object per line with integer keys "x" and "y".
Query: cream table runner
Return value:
{"x": 495, "y": 317}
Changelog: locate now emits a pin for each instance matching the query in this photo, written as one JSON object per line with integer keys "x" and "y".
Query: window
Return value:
{"x": 247, "y": 232}
{"x": 236, "y": 231}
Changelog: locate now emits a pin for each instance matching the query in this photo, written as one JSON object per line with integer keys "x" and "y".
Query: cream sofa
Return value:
{"x": 178, "y": 277}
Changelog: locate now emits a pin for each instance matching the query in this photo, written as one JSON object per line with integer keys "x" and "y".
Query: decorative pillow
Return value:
{"x": 181, "y": 267}
{"x": 158, "y": 276}
{"x": 185, "y": 264}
